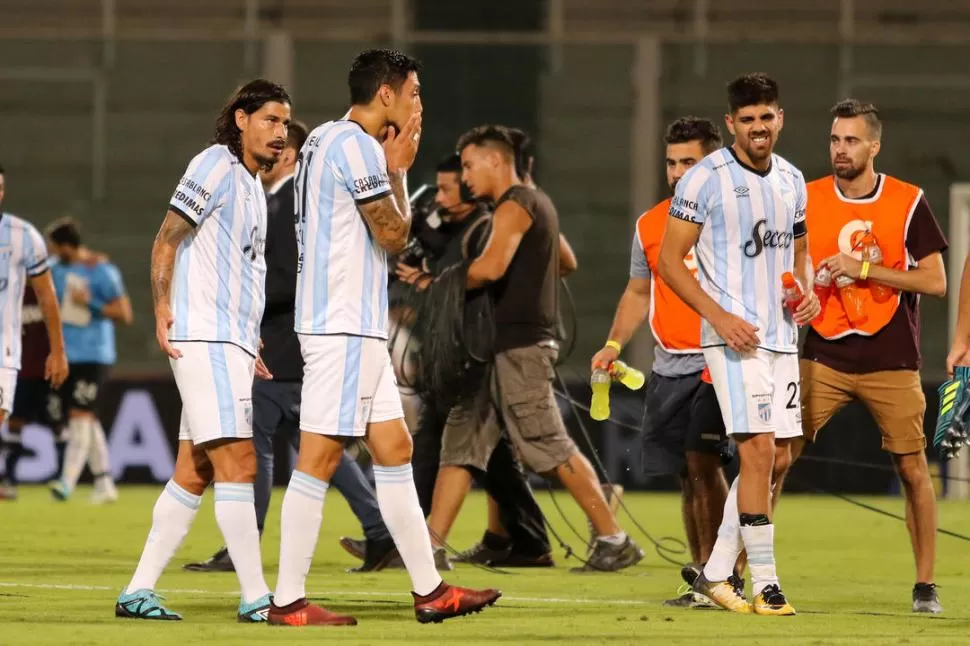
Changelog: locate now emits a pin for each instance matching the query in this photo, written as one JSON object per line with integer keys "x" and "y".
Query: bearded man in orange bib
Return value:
{"x": 883, "y": 247}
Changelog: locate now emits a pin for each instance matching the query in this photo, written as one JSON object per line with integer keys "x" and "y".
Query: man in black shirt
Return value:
{"x": 521, "y": 263}
{"x": 276, "y": 402}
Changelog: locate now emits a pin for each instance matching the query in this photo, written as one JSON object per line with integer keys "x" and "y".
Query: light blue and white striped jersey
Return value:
{"x": 220, "y": 273}
{"x": 341, "y": 284}
{"x": 23, "y": 255}
{"x": 750, "y": 220}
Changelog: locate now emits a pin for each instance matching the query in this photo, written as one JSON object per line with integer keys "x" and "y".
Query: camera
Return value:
{"x": 426, "y": 237}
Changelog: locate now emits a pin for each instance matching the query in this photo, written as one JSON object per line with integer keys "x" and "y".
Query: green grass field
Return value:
{"x": 847, "y": 571}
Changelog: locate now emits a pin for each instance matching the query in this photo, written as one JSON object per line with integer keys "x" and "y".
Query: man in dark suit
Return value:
{"x": 276, "y": 402}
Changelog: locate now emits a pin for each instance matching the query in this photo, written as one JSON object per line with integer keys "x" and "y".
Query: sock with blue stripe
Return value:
{"x": 398, "y": 500}
{"x": 759, "y": 542}
{"x": 236, "y": 516}
{"x": 173, "y": 515}
{"x": 300, "y": 522}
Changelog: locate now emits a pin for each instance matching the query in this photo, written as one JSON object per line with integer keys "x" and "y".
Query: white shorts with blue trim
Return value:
{"x": 348, "y": 383}
{"x": 215, "y": 381}
{"x": 758, "y": 392}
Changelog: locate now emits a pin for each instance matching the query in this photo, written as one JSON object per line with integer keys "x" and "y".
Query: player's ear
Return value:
{"x": 387, "y": 95}
{"x": 729, "y": 122}
{"x": 242, "y": 119}
{"x": 874, "y": 149}
{"x": 781, "y": 119}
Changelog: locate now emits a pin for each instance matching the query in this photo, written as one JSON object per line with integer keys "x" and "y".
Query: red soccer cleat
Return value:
{"x": 303, "y": 613}
{"x": 449, "y": 601}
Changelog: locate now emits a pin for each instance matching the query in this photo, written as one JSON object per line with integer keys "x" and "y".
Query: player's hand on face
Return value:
{"x": 842, "y": 264}
{"x": 55, "y": 369}
{"x": 959, "y": 356}
{"x": 400, "y": 148}
{"x": 603, "y": 358}
{"x": 163, "y": 321}
{"x": 739, "y": 335}
{"x": 808, "y": 309}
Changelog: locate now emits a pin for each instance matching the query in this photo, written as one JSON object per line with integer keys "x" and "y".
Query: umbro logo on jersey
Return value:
{"x": 741, "y": 191}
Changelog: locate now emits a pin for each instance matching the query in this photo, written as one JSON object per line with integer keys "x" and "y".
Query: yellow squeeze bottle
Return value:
{"x": 599, "y": 407}
{"x": 628, "y": 376}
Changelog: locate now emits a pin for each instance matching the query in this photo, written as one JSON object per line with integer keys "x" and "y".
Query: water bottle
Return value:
{"x": 792, "y": 293}
{"x": 627, "y": 375}
{"x": 599, "y": 407}
{"x": 872, "y": 253}
{"x": 822, "y": 288}
{"x": 852, "y": 300}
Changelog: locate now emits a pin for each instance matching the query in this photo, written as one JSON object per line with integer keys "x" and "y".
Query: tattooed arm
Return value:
{"x": 175, "y": 228}
{"x": 389, "y": 216}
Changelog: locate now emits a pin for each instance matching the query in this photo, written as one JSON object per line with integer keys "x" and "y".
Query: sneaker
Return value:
{"x": 59, "y": 490}
{"x": 303, "y": 613}
{"x": 481, "y": 554}
{"x": 607, "y": 557}
{"x": 449, "y": 601}
{"x": 256, "y": 612}
{"x": 925, "y": 599}
{"x": 356, "y": 547}
{"x": 516, "y": 559}
{"x": 690, "y": 572}
{"x": 8, "y": 492}
{"x": 772, "y": 601}
{"x": 723, "y": 594}
{"x": 143, "y": 604}
{"x": 218, "y": 562}
{"x": 613, "y": 494}
{"x": 683, "y": 600}
{"x": 377, "y": 555}
{"x": 104, "y": 495}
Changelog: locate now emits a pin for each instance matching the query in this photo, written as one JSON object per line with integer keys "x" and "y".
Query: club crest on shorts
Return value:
{"x": 763, "y": 407}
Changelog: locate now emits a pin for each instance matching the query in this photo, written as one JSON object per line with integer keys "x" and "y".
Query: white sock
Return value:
{"x": 99, "y": 459}
{"x": 171, "y": 519}
{"x": 729, "y": 544}
{"x": 236, "y": 517}
{"x": 299, "y": 528}
{"x": 398, "y": 501}
{"x": 78, "y": 448}
{"x": 613, "y": 539}
{"x": 759, "y": 541}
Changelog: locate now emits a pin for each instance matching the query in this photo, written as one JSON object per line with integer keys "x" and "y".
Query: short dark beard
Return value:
{"x": 849, "y": 173}
{"x": 265, "y": 163}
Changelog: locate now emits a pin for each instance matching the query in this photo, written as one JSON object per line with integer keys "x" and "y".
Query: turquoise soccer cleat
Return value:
{"x": 143, "y": 604}
{"x": 255, "y": 612}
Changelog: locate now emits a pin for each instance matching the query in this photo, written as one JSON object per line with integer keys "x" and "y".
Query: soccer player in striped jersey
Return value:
{"x": 352, "y": 208}
{"x": 23, "y": 258}
{"x": 743, "y": 207}
{"x": 207, "y": 274}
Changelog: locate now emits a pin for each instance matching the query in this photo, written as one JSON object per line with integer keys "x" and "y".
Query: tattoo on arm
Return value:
{"x": 173, "y": 231}
{"x": 389, "y": 218}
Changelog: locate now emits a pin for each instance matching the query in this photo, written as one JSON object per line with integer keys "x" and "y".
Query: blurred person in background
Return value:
{"x": 27, "y": 264}
{"x": 683, "y": 431}
{"x": 93, "y": 298}
{"x": 276, "y": 401}
{"x": 876, "y": 361}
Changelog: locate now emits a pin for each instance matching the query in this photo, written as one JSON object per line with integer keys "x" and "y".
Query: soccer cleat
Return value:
{"x": 303, "y": 613}
{"x": 687, "y": 598}
{"x": 737, "y": 583}
{"x": 8, "y": 492}
{"x": 378, "y": 554}
{"x": 925, "y": 599}
{"x": 354, "y": 546}
{"x": 723, "y": 594}
{"x": 143, "y": 604}
{"x": 449, "y": 601}
{"x": 771, "y": 601}
{"x": 256, "y": 612}
{"x": 607, "y": 557}
{"x": 953, "y": 418}
{"x": 59, "y": 490}
{"x": 218, "y": 562}
{"x": 690, "y": 572}
{"x": 481, "y": 554}
{"x": 106, "y": 495}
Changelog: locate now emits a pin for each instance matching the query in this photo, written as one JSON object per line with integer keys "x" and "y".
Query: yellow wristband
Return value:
{"x": 864, "y": 274}
{"x": 613, "y": 344}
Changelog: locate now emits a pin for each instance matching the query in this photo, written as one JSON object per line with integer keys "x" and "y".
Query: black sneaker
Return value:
{"x": 517, "y": 559}
{"x": 356, "y": 547}
{"x": 378, "y": 554}
{"x": 607, "y": 557}
{"x": 690, "y": 572}
{"x": 218, "y": 562}
{"x": 925, "y": 599}
{"x": 481, "y": 554}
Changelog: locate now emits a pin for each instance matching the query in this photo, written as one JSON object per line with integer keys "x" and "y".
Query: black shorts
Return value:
{"x": 681, "y": 415}
{"x": 35, "y": 402}
{"x": 82, "y": 390}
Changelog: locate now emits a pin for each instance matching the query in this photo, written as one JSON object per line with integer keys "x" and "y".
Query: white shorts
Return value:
{"x": 758, "y": 392}
{"x": 348, "y": 383}
{"x": 215, "y": 381}
{"x": 8, "y": 388}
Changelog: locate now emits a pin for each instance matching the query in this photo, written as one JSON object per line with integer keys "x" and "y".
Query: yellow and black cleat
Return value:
{"x": 723, "y": 594}
{"x": 772, "y": 601}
